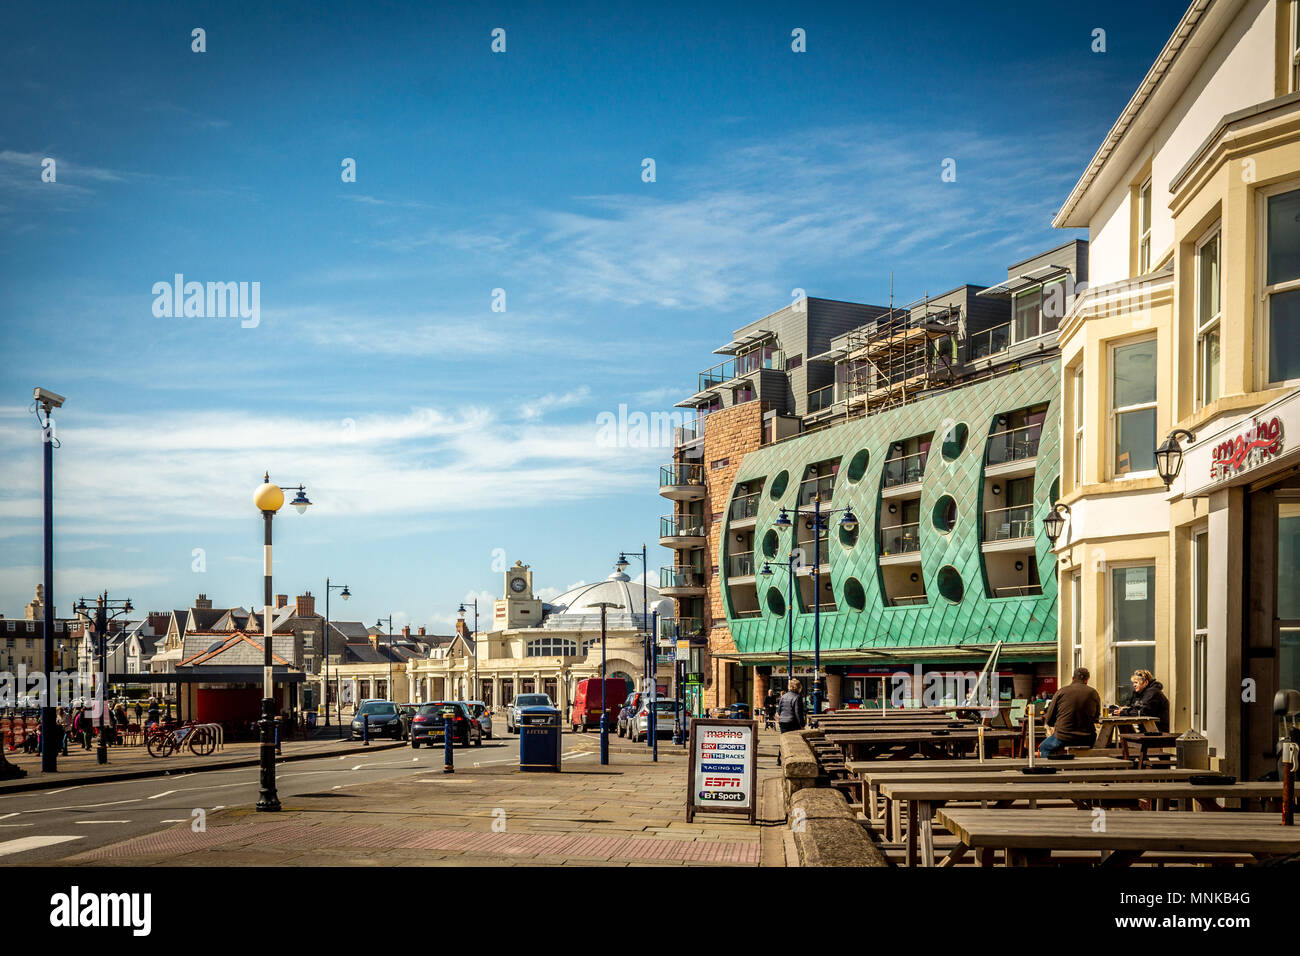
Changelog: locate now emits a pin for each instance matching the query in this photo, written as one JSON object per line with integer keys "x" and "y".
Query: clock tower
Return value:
{"x": 517, "y": 607}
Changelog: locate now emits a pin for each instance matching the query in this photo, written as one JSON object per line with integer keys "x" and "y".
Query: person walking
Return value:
{"x": 1072, "y": 716}
{"x": 790, "y": 712}
{"x": 139, "y": 712}
{"x": 64, "y": 720}
{"x": 153, "y": 711}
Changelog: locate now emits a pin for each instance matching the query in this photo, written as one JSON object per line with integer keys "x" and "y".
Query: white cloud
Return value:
{"x": 535, "y": 409}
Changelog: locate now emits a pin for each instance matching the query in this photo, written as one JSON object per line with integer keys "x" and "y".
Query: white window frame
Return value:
{"x": 1294, "y": 38}
{"x": 1145, "y": 199}
{"x": 1038, "y": 320}
{"x": 1079, "y": 423}
{"x": 1266, "y": 291}
{"x": 1112, "y": 661}
{"x": 1205, "y": 325}
{"x": 1115, "y": 412}
{"x": 1076, "y": 615}
{"x": 1200, "y": 640}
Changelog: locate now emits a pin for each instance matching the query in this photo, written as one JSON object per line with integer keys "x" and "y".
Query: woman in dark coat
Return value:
{"x": 1148, "y": 700}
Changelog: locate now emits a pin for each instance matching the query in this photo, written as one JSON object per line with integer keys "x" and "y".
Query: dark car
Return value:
{"x": 628, "y": 711}
{"x": 428, "y": 724}
{"x": 385, "y": 720}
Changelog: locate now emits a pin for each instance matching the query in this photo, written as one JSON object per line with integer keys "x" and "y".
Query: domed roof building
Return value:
{"x": 576, "y": 608}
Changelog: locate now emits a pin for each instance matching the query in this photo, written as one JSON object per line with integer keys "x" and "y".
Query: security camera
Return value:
{"x": 47, "y": 398}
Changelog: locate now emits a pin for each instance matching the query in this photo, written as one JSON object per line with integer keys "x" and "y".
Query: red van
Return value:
{"x": 586, "y": 702}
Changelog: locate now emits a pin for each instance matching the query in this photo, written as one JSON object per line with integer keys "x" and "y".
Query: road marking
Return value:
{"x": 33, "y": 843}
{"x": 165, "y": 793}
{"x": 7, "y": 825}
{"x": 100, "y": 821}
{"x": 84, "y": 806}
{"x": 173, "y": 821}
{"x": 50, "y": 793}
{"x": 8, "y": 815}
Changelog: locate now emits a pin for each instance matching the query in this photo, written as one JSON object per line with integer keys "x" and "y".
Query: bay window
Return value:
{"x": 1133, "y": 406}
{"x": 1281, "y": 259}
{"x": 1208, "y": 312}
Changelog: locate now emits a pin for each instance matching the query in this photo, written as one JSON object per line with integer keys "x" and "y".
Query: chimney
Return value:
{"x": 306, "y": 605}
{"x": 202, "y": 602}
{"x": 406, "y": 631}
{"x": 462, "y": 629}
{"x": 281, "y": 600}
{"x": 420, "y": 633}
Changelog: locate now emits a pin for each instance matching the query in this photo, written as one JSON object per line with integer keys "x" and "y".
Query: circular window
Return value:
{"x": 770, "y": 541}
{"x": 858, "y": 466}
{"x": 778, "y": 485}
{"x": 854, "y": 596}
{"x": 950, "y": 585}
{"x": 775, "y": 602}
{"x": 849, "y": 538}
{"x": 954, "y": 441}
{"x": 944, "y": 515}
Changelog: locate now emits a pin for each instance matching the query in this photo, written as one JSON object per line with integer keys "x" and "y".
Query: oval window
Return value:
{"x": 858, "y": 466}
{"x": 944, "y": 515}
{"x": 770, "y": 542}
{"x": 775, "y": 602}
{"x": 849, "y": 538}
{"x": 854, "y": 596}
{"x": 954, "y": 441}
{"x": 778, "y": 485}
{"x": 950, "y": 584}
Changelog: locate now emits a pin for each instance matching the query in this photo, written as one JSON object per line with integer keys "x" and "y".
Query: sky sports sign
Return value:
{"x": 723, "y": 768}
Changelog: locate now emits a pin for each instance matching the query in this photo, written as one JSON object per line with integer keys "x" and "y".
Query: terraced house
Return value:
{"x": 1181, "y": 552}
{"x": 880, "y": 513}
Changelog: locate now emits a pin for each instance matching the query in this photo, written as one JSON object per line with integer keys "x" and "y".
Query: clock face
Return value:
{"x": 518, "y": 584}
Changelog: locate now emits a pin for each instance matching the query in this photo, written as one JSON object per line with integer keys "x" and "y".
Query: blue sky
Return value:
{"x": 436, "y": 435}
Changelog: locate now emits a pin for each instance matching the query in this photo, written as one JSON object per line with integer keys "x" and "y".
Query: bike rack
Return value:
{"x": 217, "y": 729}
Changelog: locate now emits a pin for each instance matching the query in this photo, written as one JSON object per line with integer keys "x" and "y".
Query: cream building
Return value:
{"x": 1192, "y": 321}
{"x": 545, "y": 647}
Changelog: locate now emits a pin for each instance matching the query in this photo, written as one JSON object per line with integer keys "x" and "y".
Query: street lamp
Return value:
{"x": 478, "y": 691}
{"x": 325, "y": 688}
{"x": 789, "y": 610}
{"x": 1054, "y": 522}
{"x": 604, "y": 686}
{"x": 649, "y": 661}
{"x": 102, "y": 616}
{"x": 849, "y": 523}
{"x": 379, "y": 622}
{"x": 1169, "y": 456}
{"x": 47, "y": 401}
{"x": 268, "y": 499}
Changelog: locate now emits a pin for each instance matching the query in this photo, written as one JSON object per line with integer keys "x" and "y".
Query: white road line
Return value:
{"x": 8, "y": 815}
{"x": 173, "y": 821}
{"x": 50, "y": 793}
{"x": 165, "y": 793}
{"x": 100, "y": 821}
{"x": 7, "y": 825}
{"x": 33, "y": 843}
{"x": 84, "y": 806}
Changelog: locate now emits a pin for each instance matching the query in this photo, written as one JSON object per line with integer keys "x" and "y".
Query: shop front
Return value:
{"x": 1242, "y": 638}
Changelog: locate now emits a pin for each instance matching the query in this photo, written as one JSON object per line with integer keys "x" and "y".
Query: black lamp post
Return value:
{"x": 103, "y": 607}
{"x": 268, "y": 499}
{"x": 789, "y": 611}
{"x": 478, "y": 691}
{"x": 621, "y": 566}
{"x": 1054, "y": 522}
{"x": 379, "y": 622}
{"x": 604, "y": 686}
{"x": 1169, "y": 456}
{"x": 819, "y": 524}
{"x": 47, "y": 401}
{"x": 325, "y": 688}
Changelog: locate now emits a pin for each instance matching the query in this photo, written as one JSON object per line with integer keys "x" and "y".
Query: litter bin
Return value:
{"x": 539, "y": 738}
{"x": 738, "y": 712}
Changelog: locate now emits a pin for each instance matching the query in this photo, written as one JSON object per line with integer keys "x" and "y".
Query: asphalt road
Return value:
{"x": 45, "y": 826}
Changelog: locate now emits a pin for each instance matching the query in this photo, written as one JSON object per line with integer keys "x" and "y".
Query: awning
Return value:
{"x": 211, "y": 675}
{"x": 743, "y": 341}
{"x": 905, "y": 656}
{"x": 1004, "y": 290}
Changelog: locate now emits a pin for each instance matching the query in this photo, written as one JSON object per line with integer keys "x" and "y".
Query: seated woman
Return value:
{"x": 1148, "y": 700}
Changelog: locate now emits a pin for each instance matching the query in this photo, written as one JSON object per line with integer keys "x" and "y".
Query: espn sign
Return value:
{"x": 723, "y": 768}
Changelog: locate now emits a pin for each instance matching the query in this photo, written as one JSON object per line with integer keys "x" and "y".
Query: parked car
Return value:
{"x": 639, "y": 727}
{"x": 385, "y": 721}
{"x": 587, "y": 701}
{"x": 628, "y": 711}
{"x": 524, "y": 700}
{"x": 429, "y": 724}
{"x": 482, "y": 715}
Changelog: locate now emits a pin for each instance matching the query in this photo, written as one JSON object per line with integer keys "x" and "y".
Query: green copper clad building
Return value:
{"x": 948, "y": 556}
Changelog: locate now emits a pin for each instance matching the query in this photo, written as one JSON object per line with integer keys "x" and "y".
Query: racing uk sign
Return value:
{"x": 723, "y": 768}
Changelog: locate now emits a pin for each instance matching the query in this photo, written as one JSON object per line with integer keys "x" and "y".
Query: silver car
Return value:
{"x": 481, "y": 713}
{"x": 524, "y": 700}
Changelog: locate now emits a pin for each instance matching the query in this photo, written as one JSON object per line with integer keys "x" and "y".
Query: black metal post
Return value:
{"x": 268, "y": 800}
{"x": 101, "y": 626}
{"x": 789, "y": 616}
{"x": 654, "y": 691}
{"x": 449, "y": 742}
{"x": 49, "y": 754}
{"x": 817, "y": 603}
{"x": 325, "y": 652}
{"x": 604, "y": 706}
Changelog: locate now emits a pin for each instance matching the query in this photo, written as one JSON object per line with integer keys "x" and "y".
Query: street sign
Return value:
{"x": 695, "y": 677}
{"x": 684, "y": 650}
{"x": 723, "y": 768}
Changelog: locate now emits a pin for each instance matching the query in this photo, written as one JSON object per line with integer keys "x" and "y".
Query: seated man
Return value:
{"x": 1072, "y": 716}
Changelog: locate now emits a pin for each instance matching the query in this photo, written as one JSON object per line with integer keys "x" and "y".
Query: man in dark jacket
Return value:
{"x": 1148, "y": 700}
{"x": 1072, "y": 716}
{"x": 790, "y": 714}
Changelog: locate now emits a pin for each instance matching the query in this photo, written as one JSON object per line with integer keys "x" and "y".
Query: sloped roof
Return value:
{"x": 363, "y": 654}
{"x": 236, "y": 648}
{"x": 352, "y": 630}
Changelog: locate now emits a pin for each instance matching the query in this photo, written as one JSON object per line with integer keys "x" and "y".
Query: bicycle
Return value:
{"x": 200, "y": 741}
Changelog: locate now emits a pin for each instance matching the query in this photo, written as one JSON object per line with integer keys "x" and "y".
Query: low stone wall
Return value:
{"x": 827, "y": 833}
{"x": 799, "y": 765}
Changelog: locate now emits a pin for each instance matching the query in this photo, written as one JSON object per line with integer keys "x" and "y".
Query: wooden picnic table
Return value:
{"x": 1137, "y": 747}
{"x": 1030, "y": 836}
{"x": 924, "y": 798}
{"x": 1109, "y": 725}
{"x": 902, "y": 743}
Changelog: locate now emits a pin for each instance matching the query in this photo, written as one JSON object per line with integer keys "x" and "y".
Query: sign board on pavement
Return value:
{"x": 723, "y": 768}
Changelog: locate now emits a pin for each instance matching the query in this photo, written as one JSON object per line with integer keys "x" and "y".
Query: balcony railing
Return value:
{"x": 1013, "y": 444}
{"x": 740, "y": 565}
{"x": 681, "y": 577}
{"x": 989, "y": 342}
{"x": 745, "y": 506}
{"x": 752, "y": 612}
{"x": 900, "y": 539}
{"x": 820, "y": 398}
{"x": 722, "y": 372}
{"x": 679, "y": 627}
{"x": 908, "y": 600}
{"x": 1019, "y": 590}
{"x": 905, "y": 470}
{"x": 679, "y": 474}
{"x": 1007, "y": 524}
{"x": 688, "y": 431}
{"x": 823, "y": 554}
{"x": 822, "y": 487}
{"x": 681, "y": 526}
